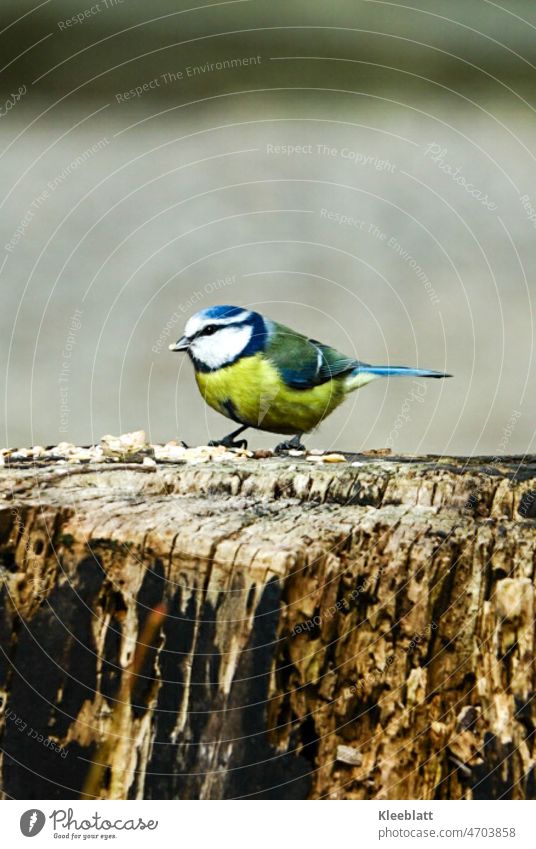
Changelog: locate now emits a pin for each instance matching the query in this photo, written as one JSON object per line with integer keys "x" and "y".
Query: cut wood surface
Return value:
{"x": 269, "y": 628}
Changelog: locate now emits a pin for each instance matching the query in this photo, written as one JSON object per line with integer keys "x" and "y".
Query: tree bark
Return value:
{"x": 269, "y": 628}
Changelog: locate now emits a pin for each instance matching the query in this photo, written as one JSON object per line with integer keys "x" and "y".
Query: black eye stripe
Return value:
{"x": 210, "y": 329}
{"x": 206, "y": 331}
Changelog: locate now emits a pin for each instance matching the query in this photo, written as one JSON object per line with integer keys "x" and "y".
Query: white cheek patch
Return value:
{"x": 222, "y": 347}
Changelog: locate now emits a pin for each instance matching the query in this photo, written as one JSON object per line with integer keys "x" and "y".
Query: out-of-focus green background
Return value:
{"x": 364, "y": 171}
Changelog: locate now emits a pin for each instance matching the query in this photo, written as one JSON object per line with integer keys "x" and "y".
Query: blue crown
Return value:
{"x": 222, "y": 311}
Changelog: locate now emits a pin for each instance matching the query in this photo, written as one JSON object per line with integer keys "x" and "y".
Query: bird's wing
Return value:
{"x": 302, "y": 362}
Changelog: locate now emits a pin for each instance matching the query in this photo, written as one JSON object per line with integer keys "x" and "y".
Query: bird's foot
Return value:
{"x": 227, "y": 442}
{"x": 293, "y": 444}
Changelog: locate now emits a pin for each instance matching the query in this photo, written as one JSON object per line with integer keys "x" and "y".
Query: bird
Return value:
{"x": 264, "y": 375}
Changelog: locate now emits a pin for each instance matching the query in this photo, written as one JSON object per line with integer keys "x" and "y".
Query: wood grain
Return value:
{"x": 273, "y": 628}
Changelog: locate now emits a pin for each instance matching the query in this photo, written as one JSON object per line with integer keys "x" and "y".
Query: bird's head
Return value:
{"x": 220, "y": 335}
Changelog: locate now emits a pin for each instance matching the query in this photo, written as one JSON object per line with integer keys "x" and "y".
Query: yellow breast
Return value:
{"x": 251, "y": 392}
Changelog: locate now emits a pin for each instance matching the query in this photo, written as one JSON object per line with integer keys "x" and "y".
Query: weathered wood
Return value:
{"x": 269, "y": 628}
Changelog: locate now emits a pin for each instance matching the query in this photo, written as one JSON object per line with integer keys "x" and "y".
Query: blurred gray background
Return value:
{"x": 363, "y": 171}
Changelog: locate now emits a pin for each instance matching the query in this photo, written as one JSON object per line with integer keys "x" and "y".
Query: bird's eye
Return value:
{"x": 210, "y": 329}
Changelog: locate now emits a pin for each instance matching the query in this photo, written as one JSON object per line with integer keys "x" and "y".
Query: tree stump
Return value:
{"x": 269, "y": 628}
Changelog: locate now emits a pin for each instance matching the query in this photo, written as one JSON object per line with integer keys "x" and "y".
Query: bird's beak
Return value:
{"x": 182, "y": 345}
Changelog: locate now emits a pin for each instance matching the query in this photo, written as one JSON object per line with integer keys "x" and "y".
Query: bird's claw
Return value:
{"x": 228, "y": 443}
{"x": 293, "y": 444}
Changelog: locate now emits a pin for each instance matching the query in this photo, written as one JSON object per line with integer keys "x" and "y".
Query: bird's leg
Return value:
{"x": 290, "y": 444}
{"x": 229, "y": 440}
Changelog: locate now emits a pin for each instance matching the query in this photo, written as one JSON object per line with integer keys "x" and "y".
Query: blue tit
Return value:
{"x": 264, "y": 375}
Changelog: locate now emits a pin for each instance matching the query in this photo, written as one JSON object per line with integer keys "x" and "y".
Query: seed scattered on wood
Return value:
{"x": 348, "y": 755}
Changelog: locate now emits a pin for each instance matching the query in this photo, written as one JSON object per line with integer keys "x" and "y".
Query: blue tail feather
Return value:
{"x": 393, "y": 371}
